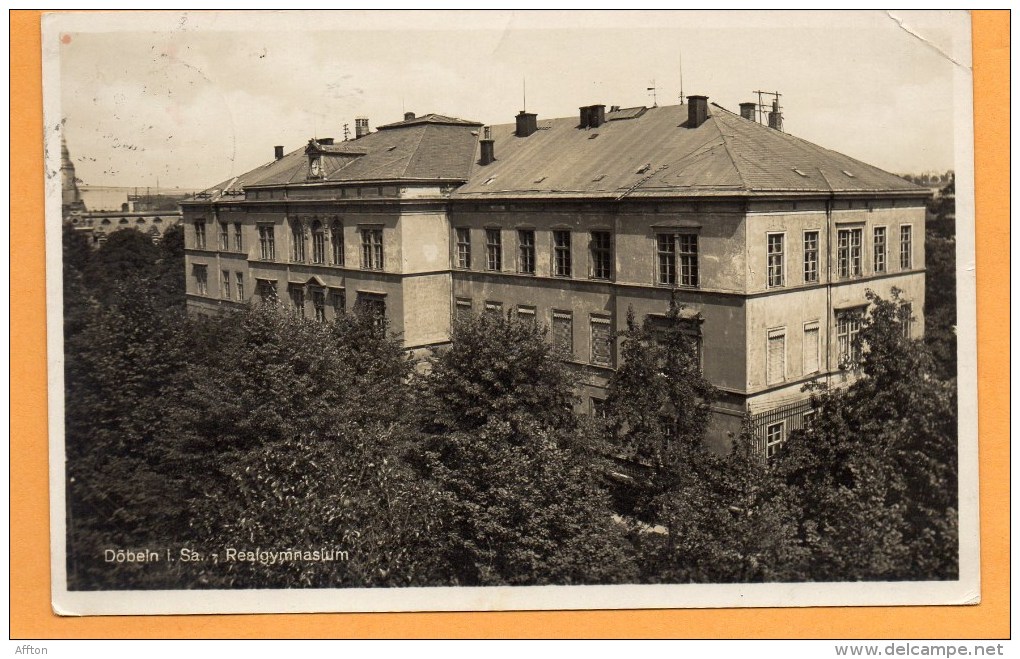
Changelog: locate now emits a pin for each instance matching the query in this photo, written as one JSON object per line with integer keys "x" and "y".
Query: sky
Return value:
{"x": 192, "y": 99}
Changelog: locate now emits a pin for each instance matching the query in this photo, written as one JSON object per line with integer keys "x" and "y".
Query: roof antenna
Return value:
{"x": 524, "y": 87}
{"x": 681, "y": 76}
{"x": 655, "y": 102}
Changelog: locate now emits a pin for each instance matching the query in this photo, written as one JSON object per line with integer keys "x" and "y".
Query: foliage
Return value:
{"x": 658, "y": 400}
{"x": 876, "y": 475}
{"x": 519, "y": 499}
{"x": 518, "y": 508}
{"x": 495, "y": 368}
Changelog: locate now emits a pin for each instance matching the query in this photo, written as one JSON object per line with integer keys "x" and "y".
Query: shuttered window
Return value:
{"x": 462, "y": 308}
{"x": 776, "y": 357}
{"x": 563, "y": 332}
{"x": 811, "y": 348}
{"x": 601, "y": 341}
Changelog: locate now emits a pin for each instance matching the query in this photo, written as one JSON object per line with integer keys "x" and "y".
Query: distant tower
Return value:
{"x": 70, "y": 196}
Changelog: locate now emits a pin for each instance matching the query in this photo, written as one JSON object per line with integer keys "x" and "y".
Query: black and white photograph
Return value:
{"x": 496, "y": 310}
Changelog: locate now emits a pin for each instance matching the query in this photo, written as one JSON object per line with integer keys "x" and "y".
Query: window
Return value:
{"x": 666, "y": 249}
{"x": 266, "y": 289}
{"x": 812, "y": 348}
{"x": 848, "y": 252}
{"x": 225, "y": 284}
{"x": 775, "y": 358}
{"x": 494, "y": 308}
{"x": 297, "y": 300}
{"x": 690, "y": 328}
{"x": 561, "y": 253}
{"x": 775, "y": 259}
{"x": 224, "y": 236}
{"x": 297, "y": 242}
{"x": 880, "y": 249}
{"x": 200, "y": 273}
{"x": 464, "y": 248}
{"x": 807, "y": 420}
{"x": 601, "y": 255}
{"x": 374, "y": 305}
{"x": 563, "y": 332}
{"x": 371, "y": 249}
{"x": 598, "y": 408}
{"x": 601, "y": 341}
{"x": 238, "y": 238}
{"x": 336, "y": 242}
{"x": 493, "y": 250}
{"x": 688, "y": 248}
{"x": 526, "y": 313}
{"x": 526, "y": 249}
{"x": 906, "y": 318}
{"x": 199, "y": 233}
{"x": 810, "y": 256}
{"x": 319, "y": 304}
{"x": 318, "y": 242}
{"x": 774, "y": 438}
{"x": 462, "y": 307}
{"x": 239, "y": 280}
{"x": 848, "y": 327}
{"x": 338, "y": 300}
{"x": 267, "y": 242}
{"x": 905, "y": 247}
{"x": 670, "y": 247}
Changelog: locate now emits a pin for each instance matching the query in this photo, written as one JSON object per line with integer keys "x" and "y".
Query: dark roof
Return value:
{"x": 427, "y": 150}
{"x": 653, "y": 153}
{"x": 433, "y": 118}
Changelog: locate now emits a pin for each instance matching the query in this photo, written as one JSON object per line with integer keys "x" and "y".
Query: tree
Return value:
{"x": 127, "y": 256}
{"x": 169, "y": 268}
{"x": 495, "y": 369}
{"x": 876, "y": 475}
{"x": 658, "y": 399}
{"x": 517, "y": 486}
{"x": 518, "y": 507}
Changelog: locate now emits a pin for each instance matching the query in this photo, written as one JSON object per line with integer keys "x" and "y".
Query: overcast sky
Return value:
{"x": 193, "y": 99}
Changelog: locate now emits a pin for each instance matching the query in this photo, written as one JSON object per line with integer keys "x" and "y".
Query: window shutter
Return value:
{"x": 776, "y": 358}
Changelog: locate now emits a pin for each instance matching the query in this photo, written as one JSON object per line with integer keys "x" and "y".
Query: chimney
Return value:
{"x": 749, "y": 111}
{"x": 408, "y": 116}
{"x": 527, "y": 123}
{"x": 325, "y": 141}
{"x": 776, "y": 117}
{"x": 360, "y": 127}
{"x": 488, "y": 151}
{"x": 697, "y": 110}
{"x": 278, "y": 152}
{"x": 593, "y": 116}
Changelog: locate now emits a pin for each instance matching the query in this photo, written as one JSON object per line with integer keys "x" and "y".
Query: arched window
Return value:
{"x": 336, "y": 239}
{"x": 318, "y": 242}
{"x": 297, "y": 240}
{"x": 105, "y": 221}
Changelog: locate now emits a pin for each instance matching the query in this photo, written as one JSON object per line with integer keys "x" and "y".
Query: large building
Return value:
{"x": 98, "y": 211}
{"x": 769, "y": 241}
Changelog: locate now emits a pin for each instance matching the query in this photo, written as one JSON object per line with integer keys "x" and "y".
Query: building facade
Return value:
{"x": 770, "y": 243}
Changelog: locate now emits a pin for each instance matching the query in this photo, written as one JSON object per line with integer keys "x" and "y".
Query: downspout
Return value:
{"x": 829, "y": 315}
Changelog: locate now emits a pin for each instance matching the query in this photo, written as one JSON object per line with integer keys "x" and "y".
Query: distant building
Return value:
{"x": 769, "y": 241}
{"x": 100, "y": 210}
